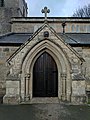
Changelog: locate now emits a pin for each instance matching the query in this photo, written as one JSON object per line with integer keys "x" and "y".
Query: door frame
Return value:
{"x": 63, "y": 66}
{"x": 56, "y": 79}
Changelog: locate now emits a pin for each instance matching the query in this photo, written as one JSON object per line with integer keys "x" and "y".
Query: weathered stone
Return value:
{"x": 78, "y": 99}
{"x": 73, "y": 70}
{"x": 11, "y": 100}
{"x": 54, "y": 48}
{"x": 5, "y": 49}
{"x": 78, "y": 88}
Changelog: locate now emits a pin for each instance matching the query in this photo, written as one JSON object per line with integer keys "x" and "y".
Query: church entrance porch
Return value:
{"x": 45, "y": 67}
{"x": 45, "y": 77}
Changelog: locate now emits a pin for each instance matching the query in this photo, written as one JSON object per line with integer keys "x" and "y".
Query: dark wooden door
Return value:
{"x": 45, "y": 77}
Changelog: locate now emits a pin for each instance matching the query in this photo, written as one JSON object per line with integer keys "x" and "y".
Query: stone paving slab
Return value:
{"x": 45, "y": 100}
{"x": 44, "y": 112}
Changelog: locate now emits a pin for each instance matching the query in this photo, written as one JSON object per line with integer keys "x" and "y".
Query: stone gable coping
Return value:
{"x": 36, "y": 33}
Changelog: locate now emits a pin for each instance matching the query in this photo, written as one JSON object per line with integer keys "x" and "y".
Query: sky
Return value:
{"x": 58, "y": 8}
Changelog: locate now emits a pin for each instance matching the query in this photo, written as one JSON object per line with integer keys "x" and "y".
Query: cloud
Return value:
{"x": 57, "y": 7}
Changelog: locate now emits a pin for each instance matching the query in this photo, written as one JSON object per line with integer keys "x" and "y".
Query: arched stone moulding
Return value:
{"x": 62, "y": 62}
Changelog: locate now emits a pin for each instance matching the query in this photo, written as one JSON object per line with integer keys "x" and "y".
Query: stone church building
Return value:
{"x": 43, "y": 57}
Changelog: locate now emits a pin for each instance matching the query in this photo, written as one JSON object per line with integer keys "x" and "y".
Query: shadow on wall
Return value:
{"x": 2, "y": 93}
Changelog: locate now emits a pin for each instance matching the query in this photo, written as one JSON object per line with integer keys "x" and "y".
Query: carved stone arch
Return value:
{"x": 46, "y": 45}
{"x": 62, "y": 62}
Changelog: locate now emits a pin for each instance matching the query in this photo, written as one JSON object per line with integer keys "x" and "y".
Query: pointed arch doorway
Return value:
{"x": 45, "y": 77}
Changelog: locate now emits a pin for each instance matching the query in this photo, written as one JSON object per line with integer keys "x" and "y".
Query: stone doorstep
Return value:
{"x": 42, "y": 100}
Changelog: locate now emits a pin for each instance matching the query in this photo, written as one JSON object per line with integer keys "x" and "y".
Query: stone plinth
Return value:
{"x": 78, "y": 92}
{"x": 12, "y": 92}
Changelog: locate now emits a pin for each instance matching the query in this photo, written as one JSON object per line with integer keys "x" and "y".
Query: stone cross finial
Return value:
{"x": 45, "y": 10}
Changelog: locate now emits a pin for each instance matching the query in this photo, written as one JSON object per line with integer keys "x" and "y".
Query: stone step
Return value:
{"x": 42, "y": 100}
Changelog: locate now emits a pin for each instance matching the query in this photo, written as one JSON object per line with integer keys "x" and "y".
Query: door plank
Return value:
{"x": 45, "y": 77}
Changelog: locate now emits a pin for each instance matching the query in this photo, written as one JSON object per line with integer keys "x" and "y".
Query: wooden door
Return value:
{"x": 45, "y": 77}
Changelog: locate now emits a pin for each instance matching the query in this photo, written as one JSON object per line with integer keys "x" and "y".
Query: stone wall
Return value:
{"x": 11, "y": 8}
{"x": 32, "y": 24}
{"x": 5, "y": 15}
{"x": 85, "y": 53}
{"x": 5, "y": 53}
{"x": 70, "y": 28}
{"x": 67, "y": 59}
{"x": 13, "y": 91}
{"x": 23, "y": 7}
{"x": 10, "y": 3}
{"x": 17, "y": 7}
{"x": 86, "y": 56}
{"x": 78, "y": 92}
